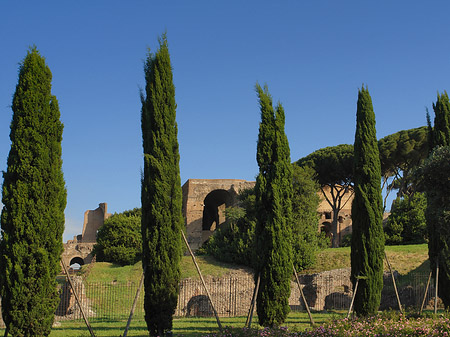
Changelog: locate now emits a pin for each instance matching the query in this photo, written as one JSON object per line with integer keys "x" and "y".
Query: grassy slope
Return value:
{"x": 404, "y": 259}
{"x": 107, "y": 272}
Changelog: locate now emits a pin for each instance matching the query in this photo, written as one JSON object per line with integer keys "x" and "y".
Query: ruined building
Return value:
{"x": 79, "y": 250}
{"x": 204, "y": 203}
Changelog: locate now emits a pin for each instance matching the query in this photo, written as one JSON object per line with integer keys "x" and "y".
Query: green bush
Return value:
{"x": 119, "y": 240}
{"x": 407, "y": 224}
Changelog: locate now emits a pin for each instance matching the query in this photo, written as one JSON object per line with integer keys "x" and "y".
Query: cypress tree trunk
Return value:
{"x": 273, "y": 229}
{"x": 34, "y": 199}
{"x": 368, "y": 238}
{"x": 162, "y": 219}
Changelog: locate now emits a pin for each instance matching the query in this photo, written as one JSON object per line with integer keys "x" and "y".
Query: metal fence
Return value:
{"x": 232, "y": 296}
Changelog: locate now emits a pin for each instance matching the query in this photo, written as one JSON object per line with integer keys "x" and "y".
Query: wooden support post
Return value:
{"x": 426, "y": 292}
{"x": 437, "y": 283}
{"x": 303, "y": 297}
{"x": 134, "y": 304}
{"x": 201, "y": 278}
{"x": 77, "y": 299}
{"x": 248, "y": 322}
{"x": 353, "y": 298}
{"x": 393, "y": 281}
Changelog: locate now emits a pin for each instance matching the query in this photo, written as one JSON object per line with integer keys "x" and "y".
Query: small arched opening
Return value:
{"x": 325, "y": 227}
{"x": 76, "y": 263}
{"x": 214, "y": 209}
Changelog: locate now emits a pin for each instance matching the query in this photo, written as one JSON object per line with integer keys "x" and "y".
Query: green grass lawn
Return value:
{"x": 189, "y": 327}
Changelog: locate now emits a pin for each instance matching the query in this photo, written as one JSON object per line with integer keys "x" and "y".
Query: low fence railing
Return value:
{"x": 232, "y": 296}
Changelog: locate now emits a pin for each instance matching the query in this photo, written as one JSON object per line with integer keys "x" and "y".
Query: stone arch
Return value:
{"x": 76, "y": 259}
{"x": 214, "y": 207}
{"x": 204, "y": 201}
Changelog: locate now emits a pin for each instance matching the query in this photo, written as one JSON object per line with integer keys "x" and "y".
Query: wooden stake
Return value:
{"x": 393, "y": 281}
{"x": 303, "y": 297}
{"x": 203, "y": 281}
{"x": 353, "y": 298}
{"x": 436, "y": 290}
{"x": 426, "y": 292}
{"x": 248, "y": 322}
{"x": 77, "y": 299}
{"x": 134, "y": 304}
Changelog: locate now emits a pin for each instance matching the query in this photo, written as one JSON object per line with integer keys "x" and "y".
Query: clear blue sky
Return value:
{"x": 314, "y": 55}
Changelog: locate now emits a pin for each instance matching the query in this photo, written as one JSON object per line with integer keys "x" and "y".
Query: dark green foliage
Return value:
{"x": 334, "y": 170}
{"x": 400, "y": 154}
{"x": 162, "y": 220}
{"x": 433, "y": 178}
{"x": 274, "y": 214}
{"x": 234, "y": 241}
{"x": 306, "y": 241}
{"x": 119, "y": 240}
{"x": 406, "y": 224}
{"x": 34, "y": 199}
{"x": 441, "y": 132}
{"x": 367, "y": 251}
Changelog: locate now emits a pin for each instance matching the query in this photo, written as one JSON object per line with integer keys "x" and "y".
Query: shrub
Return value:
{"x": 407, "y": 224}
{"x": 119, "y": 240}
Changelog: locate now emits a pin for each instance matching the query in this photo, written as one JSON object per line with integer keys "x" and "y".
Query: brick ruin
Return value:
{"x": 204, "y": 203}
{"x": 79, "y": 250}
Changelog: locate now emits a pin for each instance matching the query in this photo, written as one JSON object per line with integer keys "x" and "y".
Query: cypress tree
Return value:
{"x": 441, "y": 130}
{"x": 162, "y": 219}
{"x": 34, "y": 199}
{"x": 368, "y": 238}
{"x": 273, "y": 196}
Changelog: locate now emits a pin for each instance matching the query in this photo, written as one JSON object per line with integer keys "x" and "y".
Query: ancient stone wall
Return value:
{"x": 93, "y": 220}
{"x": 204, "y": 203}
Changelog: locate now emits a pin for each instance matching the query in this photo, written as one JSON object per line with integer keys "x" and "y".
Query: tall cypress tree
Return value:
{"x": 273, "y": 232}
{"x": 441, "y": 130}
{"x": 367, "y": 211}
{"x": 34, "y": 199}
{"x": 162, "y": 219}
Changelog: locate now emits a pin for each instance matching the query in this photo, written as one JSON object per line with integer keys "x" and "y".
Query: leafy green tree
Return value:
{"x": 367, "y": 250}
{"x": 306, "y": 241}
{"x": 433, "y": 178}
{"x": 234, "y": 241}
{"x": 162, "y": 220}
{"x": 440, "y": 133}
{"x": 400, "y": 154}
{"x": 334, "y": 170}
{"x": 407, "y": 223}
{"x": 34, "y": 199}
{"x": 273, "y": 227}
{"x": 119, "y": 240}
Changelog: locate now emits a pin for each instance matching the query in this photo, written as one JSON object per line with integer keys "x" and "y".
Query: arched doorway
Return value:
{"x": 76, "y": 263}
{"x": 214, "y": 209}
{"x": 325, "y": 227}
